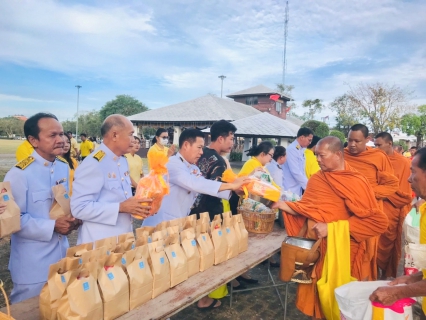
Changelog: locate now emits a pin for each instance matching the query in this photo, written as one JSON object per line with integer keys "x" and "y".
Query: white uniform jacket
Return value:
{"x": 101, "y": 182}
{"x": 36, "y": 246}
{"x": 186, "y": 182}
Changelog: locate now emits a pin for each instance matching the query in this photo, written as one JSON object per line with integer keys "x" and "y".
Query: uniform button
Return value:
{"x": 122, "y": 179}
{"x": 115, "y": 158}
{"x": 46, "y": 164}
{"x": 118, "y": 164}
{"x": 60, "y": 237}
{"x": 51, "y": 171}
{"x": 125, "y": 192}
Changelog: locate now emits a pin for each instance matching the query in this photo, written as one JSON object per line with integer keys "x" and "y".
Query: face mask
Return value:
{"x": 164, "y": 142}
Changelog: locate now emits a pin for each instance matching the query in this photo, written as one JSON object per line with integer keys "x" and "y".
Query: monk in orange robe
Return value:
{"x": 337, "y": 192}
{"x": 377, "y": 168}
{"x": 395, "y": 206}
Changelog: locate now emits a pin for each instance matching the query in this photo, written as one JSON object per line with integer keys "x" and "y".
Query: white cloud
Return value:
{"x": 9, "y": 97}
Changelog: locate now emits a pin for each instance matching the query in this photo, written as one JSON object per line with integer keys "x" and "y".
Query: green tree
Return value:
{"x": 314, "y": 106}
{"x": 338, "y": 134}
{"x": 347, "y": 114}
{"x": 319, "y": 128}
{"x": 122, "y": 104}
{"x": 90, "y": 122}
{"x": 285, "y": 90}
{"x": 415, "y": 124}
{"x": 10, "y": 126}
{"x": 380, "y": 105}
{"x": 69, "y": 125}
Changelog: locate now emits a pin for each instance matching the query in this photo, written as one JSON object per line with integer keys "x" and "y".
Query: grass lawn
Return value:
{"x": 9, "y": 146}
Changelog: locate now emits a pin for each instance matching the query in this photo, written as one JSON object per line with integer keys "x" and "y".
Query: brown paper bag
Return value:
{"x": 61, "y": 203}
{"x": 205, "y": 246}
{"x": 161, "y": 226}
{"x": 205, "y": 215}
{"x": 129, "y": 236}
{"x": 241, "y": 232}
{"x": 160, "y": 268}
{"x": 109, "y": 243}
{"x": 113, "y": 286}
{"x": 143, "y": 235}
{"x": 10, "y": 220}
{"x": 140, "y": 277}
{"x": 159, "y": 235}
{"x": 82, "y": 300}
{"x": 177, "y": 259}
{"x": 231, "y": 236}
{"x": 190, "y": 221}
{"x": 219, "y": 240}
{"x": 190, "y": 248}
{"x": 177, "y": 222}
{"x": 77, "y": 251}
{"x": 57, "y": 280}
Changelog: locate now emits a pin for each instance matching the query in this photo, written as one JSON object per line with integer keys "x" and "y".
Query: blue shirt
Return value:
{"x": 36, "y": 246}
{"x": 294, "y": 177}
{"x": 101, "y": 182}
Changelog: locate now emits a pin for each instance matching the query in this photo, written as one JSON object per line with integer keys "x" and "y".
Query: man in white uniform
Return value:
{"x": 41, "y": 241}
{"x": 102, "y": 193}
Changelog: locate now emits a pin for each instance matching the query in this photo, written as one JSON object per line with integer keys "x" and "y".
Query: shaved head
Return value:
{"x": 329, "y": 152}
{"x": 114, "y": 120}
{"x": 386, "y": 136}
{"x": 333, "y": 144}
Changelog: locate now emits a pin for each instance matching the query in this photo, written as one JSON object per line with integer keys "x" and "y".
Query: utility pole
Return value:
{"x": 285, "y": 41}
{"x": 221, "y": 87}
{"x": 78, "y": 100}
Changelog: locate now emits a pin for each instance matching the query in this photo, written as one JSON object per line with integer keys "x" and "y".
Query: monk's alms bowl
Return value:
{"x": 300, "y": 242}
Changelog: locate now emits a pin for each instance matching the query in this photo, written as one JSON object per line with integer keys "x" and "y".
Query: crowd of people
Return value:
{"x": 371, "y": 188}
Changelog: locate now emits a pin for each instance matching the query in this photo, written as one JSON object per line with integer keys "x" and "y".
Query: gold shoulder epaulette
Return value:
{"x": 124, "y": 156}
{"x": 25, "y": 163}
{"x": 61, "y": 159}
{"x": 99, "y": 155}
{"x": 298, "y": 147}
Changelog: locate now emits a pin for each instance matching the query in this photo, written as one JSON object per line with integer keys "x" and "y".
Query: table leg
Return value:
{"x": 284, "y": 306}
{"x": 232, "y": 291}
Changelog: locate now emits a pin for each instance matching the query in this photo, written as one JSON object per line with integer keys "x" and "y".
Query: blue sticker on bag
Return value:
{"x": 133, "y": 245}
{"x": 219, "y": 233}
{"x": 86, "y": 286}
{"x": 66, "y": 196}
{"x": 141, "y": 265}
{"x": 162, "y": 260}
{"x": 228, "y": 230}
{"x": 123, "y": 261}
{"x": 204, "y": 238}
{"x": 62, "y": 279}
{"x": 6, "y": 197}
{"x": 108, "y": 253}
{"x": 110, "y": 276}
{"x": 149, "y": 240}
{"x": 80, "y": 261}
{"x": 193, "y": 243}
{"x": 173, "y": 254}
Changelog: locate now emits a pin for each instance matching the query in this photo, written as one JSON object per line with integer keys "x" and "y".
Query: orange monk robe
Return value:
{"x": 396, "y": 207}
{"x": 332, "y": 196}
{"x": 375, "y": 165}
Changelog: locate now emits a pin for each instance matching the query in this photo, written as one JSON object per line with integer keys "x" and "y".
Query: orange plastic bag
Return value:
{"x": 154, "y": 186}
{"x": 254, "y": 186}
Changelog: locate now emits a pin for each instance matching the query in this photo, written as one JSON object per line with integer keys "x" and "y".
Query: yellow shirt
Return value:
{"x": 85, "y": 147}
{"x": 71, "y": 175}
{"x": 135, "y": 166}
{"x": 252, "y": 164}
{"x": 74, "y": 146}
{"x": 24, "y": 151}
{"x": 311, "y": 163}
{"x": 156, "y": 148}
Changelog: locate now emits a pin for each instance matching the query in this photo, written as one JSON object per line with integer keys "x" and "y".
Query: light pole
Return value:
{"x": 78, "y": 98}
{"x": 221, "y": 86}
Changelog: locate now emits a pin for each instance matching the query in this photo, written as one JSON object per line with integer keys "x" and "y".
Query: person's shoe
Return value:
{"x": 239, "y": 287}
{"x": 215, "y": 304}
{"x": 246, "y": 280}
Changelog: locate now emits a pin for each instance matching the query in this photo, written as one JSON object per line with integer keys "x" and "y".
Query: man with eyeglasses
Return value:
{"x": 294, "y": 177}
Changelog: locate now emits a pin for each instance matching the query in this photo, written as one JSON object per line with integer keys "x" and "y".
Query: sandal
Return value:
{"x": 251, "y": 281}
{"x": 211, "y": 306}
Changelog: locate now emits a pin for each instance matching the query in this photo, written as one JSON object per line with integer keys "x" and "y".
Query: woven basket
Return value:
{"x": 4, "y": 316}
{"x": 257, "y": 222}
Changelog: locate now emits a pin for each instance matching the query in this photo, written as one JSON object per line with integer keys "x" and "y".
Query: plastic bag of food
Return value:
{"x": 154, "y": 186}
{"x": 257, "y": 185}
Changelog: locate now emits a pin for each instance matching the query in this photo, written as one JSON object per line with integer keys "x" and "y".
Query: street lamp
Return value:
{"x": 78, "y": 98}
{"x": 221, "y": 87}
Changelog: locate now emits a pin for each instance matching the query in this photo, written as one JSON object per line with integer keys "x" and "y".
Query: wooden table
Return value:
{"x": 261, "y": 247}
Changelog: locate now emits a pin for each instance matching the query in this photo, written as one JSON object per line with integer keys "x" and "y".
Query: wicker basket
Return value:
{"x": 4, "y": 316}
{"x": 258, "y": 222}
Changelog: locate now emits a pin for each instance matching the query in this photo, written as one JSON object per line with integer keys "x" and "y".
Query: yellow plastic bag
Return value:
{"x": 154, "y": 186}
{"x": 337, "y": 268}
{"x": 219, "y": 293}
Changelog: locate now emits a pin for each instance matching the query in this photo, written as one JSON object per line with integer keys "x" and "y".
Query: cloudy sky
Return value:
{"x": 165, "y": 52}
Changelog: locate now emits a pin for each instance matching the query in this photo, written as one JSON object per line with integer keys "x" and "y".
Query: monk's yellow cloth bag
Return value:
{"x": 337, "y": 267}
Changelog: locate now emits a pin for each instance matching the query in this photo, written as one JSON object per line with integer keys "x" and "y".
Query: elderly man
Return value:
{"x": 337, "y": 192}
{"x": 41, "y": 241}
{"x": 396, "y": 206}
{"x": 415, "y": 283}
{"x": 102, "y": 193}
{"x": 294, "y": 177}
{"x": 377, "y": 168}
